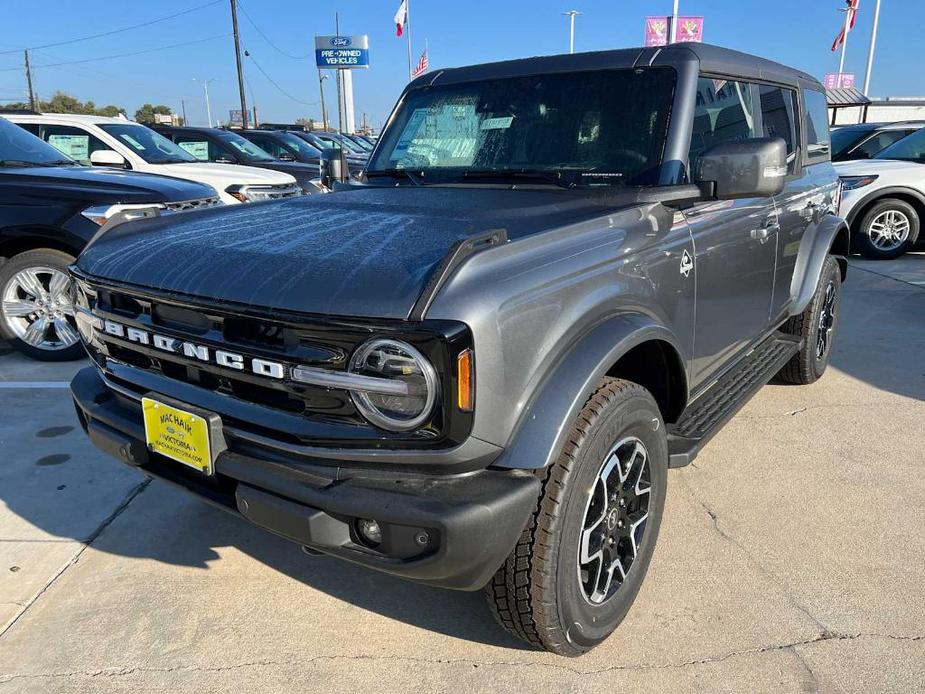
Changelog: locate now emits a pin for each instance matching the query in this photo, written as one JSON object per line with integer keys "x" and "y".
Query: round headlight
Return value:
{"x": 400, "y": 362}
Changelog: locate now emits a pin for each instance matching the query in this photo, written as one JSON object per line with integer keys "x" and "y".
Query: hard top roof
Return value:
{"x": 711, "y": 59}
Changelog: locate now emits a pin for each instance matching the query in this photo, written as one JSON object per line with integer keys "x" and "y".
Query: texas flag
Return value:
{"x": 401, "y": 18}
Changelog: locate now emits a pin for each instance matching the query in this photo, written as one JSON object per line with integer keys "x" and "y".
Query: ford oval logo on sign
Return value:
{"x": 340, "y": 41}
{"x": 342, "y": 52}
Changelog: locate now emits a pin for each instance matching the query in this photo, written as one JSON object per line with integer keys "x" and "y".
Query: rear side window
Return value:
{"x": 816, "y": 117}
{"x": 73, "y": 142}
{"x": 878, "y": 142}
{"x": 724, "y": 113}
{"x": 778, "y": 110}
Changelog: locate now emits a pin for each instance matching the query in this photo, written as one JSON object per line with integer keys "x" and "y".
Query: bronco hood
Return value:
{"x": 364, "y": 253}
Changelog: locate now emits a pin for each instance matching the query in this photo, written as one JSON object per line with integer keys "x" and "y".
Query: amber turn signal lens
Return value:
{"x": 465, "y": 378}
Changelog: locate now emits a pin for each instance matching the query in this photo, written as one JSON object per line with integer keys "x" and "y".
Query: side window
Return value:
{"x": 878, "y": 142}
{"x": 724, "y": 113}
{"x": 778, "y": 110}
{"x": 816, "y": 117}
{"x": 30, "y": 127}
{"x": 74, "y": 142}
{"x": 268, "y": 145}
{"x": 198, "y": 146}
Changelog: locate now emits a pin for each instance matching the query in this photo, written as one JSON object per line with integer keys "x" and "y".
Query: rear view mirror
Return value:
{"x": 285, "y": 156}
{"x": 107, "y": 157}
{"x": 225, "y": 159}
{"x": 745, "y": 168}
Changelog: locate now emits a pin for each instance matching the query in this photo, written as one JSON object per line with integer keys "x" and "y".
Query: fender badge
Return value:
{"x": 687, "y": 263}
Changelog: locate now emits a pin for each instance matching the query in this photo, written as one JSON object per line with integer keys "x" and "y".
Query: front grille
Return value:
{"x": 189, "y": 205}
{"x": 274, "y": 192}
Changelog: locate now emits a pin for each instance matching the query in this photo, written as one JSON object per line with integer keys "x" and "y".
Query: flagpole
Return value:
{"x": 870, "y": 52}
{"x": 408, "y": 24}
{"x": 844, "y": 43}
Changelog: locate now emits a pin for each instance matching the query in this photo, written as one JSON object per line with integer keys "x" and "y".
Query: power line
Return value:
{"x": 273, "y": 82}
{"x": 267, "y": 38}
{"x": 116, "y": 31}
{"x": 123, "y": 55}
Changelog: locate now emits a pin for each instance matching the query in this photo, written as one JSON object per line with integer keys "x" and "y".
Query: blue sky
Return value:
{"x": 795, "y": 32}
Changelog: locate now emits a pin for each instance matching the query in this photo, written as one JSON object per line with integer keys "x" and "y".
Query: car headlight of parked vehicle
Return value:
{"x": 853, "y": 182}
{"x": 100, "y": 214}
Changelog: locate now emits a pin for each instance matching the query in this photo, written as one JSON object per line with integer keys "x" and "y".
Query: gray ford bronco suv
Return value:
{"x": 557, "y": 278}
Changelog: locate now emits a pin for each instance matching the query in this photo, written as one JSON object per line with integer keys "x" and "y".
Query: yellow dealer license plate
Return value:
{"x": 177, "y": 434}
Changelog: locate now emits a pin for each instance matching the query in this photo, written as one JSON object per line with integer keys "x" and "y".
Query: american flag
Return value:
{"x": 852, "y": 10}
{"x": 421, "y": 67}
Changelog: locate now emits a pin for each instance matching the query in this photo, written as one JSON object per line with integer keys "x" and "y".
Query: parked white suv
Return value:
{"x": 118, "y": 142}
{"x": 883, "y": 198}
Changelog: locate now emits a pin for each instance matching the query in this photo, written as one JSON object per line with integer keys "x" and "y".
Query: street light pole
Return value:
{"x": 571, "y": 14}
{"x": 673, "y": 37}
{"x": 870, "y": 51}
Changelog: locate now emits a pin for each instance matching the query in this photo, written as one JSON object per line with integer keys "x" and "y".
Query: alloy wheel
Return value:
{"x": 826, "y": 320}
{"x": 37, "y": 308}
{"x": 889, "y": 230}
{"x": 615, "y": 521}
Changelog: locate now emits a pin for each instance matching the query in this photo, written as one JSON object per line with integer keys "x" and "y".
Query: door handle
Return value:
{"x": 771, "y": 226}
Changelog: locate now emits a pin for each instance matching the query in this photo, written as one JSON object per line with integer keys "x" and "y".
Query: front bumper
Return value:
{"x": 452, "y": 531}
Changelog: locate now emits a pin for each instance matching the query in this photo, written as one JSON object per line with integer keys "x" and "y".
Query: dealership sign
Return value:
{"x": 689, "y": 29}
{"x": 839, "y": 80}
{"x": 342, "y": 52}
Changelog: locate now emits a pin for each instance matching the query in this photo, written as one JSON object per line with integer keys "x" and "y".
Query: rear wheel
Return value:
{"x": 578, "y": 566}
{"x": 887, "y": 230}
{"x": 36, "y": 312}
{"x": 817, "y": 326}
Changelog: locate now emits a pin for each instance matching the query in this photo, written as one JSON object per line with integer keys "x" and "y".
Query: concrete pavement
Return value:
{"x": 791, "y": 558}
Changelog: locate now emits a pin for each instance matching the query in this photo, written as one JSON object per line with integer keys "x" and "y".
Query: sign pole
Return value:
{"x": 873, "y": 45}
{"x": 571, "y": 14}
{"x": 408, "y": 25}
{"x": 844, "y": 43}
{"x": 673, "y": 38}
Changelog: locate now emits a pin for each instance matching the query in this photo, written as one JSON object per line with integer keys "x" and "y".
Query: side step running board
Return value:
{"x": 706, "y": 415}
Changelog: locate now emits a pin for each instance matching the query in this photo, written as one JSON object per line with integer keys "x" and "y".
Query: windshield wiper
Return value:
{"x": 521, "y": 175}
{"x": 19, "y": 163}
{"x": 394, "y": 173}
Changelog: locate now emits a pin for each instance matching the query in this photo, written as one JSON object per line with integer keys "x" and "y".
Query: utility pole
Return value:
{"x": 183, "y": 110}
{"x": 844, "y": 43}
{"x": 33, "y": 102}
{"x": 673, "y": 36}
{"x": 237, "y": 57}
{"x": 324, "y": 112}
{"x": 571, "y": 14}
{"x": 870, "y": 51}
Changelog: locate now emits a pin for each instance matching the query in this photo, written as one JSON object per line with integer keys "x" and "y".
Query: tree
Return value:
{"x": 146, "y": 113}
{"x": 65, "y": 103}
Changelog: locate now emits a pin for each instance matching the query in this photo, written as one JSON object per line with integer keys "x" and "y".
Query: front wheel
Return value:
{"x": 578, "y": 565}
{"x": 889, "y": 229}
{"x": 36, "y": 312}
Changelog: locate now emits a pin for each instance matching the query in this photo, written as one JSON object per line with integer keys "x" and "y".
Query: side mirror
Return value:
{"x": 107, "y": 157}
{"x": 752, "y": 168}
{"x": 333, "y": 168}
{"x": 286, "y": 156}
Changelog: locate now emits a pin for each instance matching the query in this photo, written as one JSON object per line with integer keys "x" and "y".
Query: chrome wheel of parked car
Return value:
{"x": 889, "y": 230}
{"x": 615, "y": 521}
{"x": 37, "y": 308}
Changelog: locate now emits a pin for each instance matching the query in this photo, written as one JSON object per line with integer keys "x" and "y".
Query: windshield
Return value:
{"x": 18, "y": 147}
{"x": 153, "y": 147}
{"x": 844, "y": 138}
{"x": 247, "y": 150}
{"x": 910, "y": 148}
{"x": 336, "y": 142}
{"x": 596, "y": 128}
{"x": 360, "y": 142}
{"x": 297, "y": 144}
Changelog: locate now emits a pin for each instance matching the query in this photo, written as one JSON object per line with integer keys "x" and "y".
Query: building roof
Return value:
{"x": 846, "y": 96}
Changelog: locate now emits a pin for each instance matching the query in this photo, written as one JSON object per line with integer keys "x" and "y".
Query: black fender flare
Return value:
{"x": 545, "y": 423}
{"x": 892, "y": 191}
{"x": 830, "y": 237}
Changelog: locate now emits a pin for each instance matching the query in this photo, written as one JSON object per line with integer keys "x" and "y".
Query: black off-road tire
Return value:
{"x": 537, "y": 593}
{"x": 862, "y": 242}
{"x": 808, "y": 365}
{"x": 42, "y": 257}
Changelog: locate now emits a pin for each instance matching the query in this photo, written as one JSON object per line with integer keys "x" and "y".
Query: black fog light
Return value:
{"x": 370, "y": 532}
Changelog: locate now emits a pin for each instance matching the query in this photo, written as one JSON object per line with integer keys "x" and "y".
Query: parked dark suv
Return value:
{"x": 51, "y": 206}
{"x": 560, "y": 278}
{"x": 228, "y": 147}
